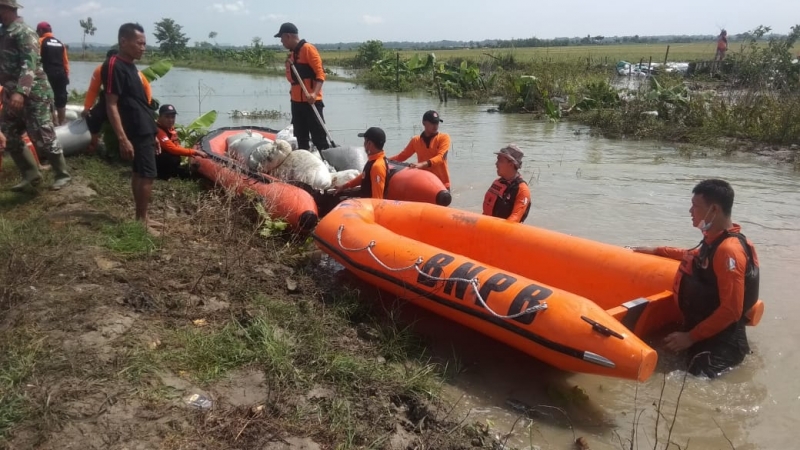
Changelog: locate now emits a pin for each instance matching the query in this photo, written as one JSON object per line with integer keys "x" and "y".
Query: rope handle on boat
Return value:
{"x": 473, "y": 282}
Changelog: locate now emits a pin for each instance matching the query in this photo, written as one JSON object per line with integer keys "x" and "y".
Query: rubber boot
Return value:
{"x": 59, "y": 170}
{"x": 28, "y": 168}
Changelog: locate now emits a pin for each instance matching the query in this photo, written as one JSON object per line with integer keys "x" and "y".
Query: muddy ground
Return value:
{"x": 209, "y": 336}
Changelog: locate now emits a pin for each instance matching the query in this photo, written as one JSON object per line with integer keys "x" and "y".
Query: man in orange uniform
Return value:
{"x": 716, "y": 284}
{"x": 56, "y": 65}
{"x": 308, "y": 63}
{"x": 508, "y": 197}
{"x": 95, "y": 115}
{"x": 168, "y": 162}
{"x": 722, "y": 46}
{"x": 373, "y": 179}
{"x": 431, "y": 148}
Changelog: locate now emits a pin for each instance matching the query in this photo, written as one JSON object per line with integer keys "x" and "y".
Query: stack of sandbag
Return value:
{"x": 343, "y": 163}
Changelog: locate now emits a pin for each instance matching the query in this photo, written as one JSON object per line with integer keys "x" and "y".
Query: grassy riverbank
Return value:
{"x": 106, "y": 331}
{"x": 749, "y": 101}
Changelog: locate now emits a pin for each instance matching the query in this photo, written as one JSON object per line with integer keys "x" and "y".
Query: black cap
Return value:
{"x": 432, "y": 117}
{"x": 287, "y": 27}
{"x": 167, "y": 110}
{"x": 374, "y": 135}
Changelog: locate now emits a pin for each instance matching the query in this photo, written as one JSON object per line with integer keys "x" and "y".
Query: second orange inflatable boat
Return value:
{"x": 577, "y": 304}
{"x": 281, "y": 200}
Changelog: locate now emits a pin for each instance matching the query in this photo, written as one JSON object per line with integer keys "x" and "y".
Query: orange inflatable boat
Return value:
{"x": 416, "y": 185}
{"x": 281, "y": 200}
{"x": 577, "y": 304}
{"x": 404, "y": 184}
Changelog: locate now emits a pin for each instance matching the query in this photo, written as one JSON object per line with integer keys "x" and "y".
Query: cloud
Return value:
{"x": 371, "y": 20}
{"x": 236, "y": 7}
{"x": 273, "y": 18}
{"x": 88, "y": 8}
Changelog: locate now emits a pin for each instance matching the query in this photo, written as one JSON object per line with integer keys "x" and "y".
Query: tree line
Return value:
{"x": 173, "y": 42}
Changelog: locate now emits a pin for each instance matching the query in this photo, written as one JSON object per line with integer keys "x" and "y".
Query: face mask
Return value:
{"x": 705, "y": 226}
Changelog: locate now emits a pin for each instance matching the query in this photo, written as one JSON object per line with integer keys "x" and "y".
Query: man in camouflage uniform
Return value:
{"x": 27, "y": 101}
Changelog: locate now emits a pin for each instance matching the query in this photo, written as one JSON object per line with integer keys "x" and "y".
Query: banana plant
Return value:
{"x": 157, "y": 70}
{"x": 191, "y": 134}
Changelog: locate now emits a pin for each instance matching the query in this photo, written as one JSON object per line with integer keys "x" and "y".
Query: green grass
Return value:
{"x": 209, "y": 355}
{"x": 295, "y": 351}
{"x": 129, "y": 238}
{"x": 19, "y": 353}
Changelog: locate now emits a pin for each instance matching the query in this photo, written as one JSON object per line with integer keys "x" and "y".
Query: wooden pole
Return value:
{"x": 666, "y": 56}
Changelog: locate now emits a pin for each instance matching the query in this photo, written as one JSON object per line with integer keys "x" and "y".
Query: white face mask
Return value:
{"x": 705, "y": 226}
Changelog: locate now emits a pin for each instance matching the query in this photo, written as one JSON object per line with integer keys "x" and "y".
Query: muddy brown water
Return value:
{"x": 620, "y": 192}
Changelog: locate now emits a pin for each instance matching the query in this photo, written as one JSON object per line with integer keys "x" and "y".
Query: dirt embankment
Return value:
{"x": 210, "y": 336}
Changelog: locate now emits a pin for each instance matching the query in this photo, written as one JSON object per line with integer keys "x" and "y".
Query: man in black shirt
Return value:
{"x": 56, "y": 65}
{"x": 130, "y": 116}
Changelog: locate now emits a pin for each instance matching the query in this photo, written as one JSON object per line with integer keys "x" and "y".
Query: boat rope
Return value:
{"x": 473, "y": 282}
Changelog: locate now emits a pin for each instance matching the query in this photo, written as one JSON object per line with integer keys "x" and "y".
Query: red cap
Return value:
{"x": 44, "y": 26}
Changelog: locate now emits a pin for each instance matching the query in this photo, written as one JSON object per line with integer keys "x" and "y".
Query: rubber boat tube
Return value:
{"x": 577, "y": 304}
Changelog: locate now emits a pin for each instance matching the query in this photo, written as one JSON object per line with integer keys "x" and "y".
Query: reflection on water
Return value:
{"x": 620, "y": 192}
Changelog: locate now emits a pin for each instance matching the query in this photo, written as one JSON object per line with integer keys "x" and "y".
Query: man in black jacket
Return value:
{"x": 56, "y": 65}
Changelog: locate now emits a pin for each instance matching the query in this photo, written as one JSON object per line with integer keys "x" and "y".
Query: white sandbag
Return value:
{"x": 287, "y": 134}
{"x": 259, "y": 154}
{"x": 232, "y": 140}
{"x": 304, "y": 167}
{"x": 269, "y": 155}
{"x": 339, "y": 179}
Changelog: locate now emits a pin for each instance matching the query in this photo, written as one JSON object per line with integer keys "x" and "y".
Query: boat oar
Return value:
{"x": 316, "y": 112}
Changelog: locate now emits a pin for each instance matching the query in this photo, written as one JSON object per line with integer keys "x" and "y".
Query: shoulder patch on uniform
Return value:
{"x": 731, "y": 264}
{"x": 378, "y": 178}
{"x": 524, "y": 201}
{"x": 164, "y": 139}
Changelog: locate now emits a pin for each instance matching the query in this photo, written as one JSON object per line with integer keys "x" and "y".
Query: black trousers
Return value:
{"x": 59, "y": 82}
{"x": 169, "y": 166}
{"x": 305, "y": 123}
{"x": 718, "y": 353}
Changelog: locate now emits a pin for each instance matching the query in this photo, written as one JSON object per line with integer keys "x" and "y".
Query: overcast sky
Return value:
{"x": 331, "y": 21}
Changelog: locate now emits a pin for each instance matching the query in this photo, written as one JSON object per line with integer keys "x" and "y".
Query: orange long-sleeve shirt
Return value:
{"x": 96, "y": 83}
{"x": 520, "y": 203}
{"x": 66, "y": 58}
{"x": 168, "y": 141}
{"x": 308, "y": 54}
{"x": 730, "y": 264}
{"x": 435, "y": 153}
{"x": 377, "y": 175}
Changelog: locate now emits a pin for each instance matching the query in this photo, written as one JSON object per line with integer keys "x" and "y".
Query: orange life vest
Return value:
{"x": 499, "y": 199}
